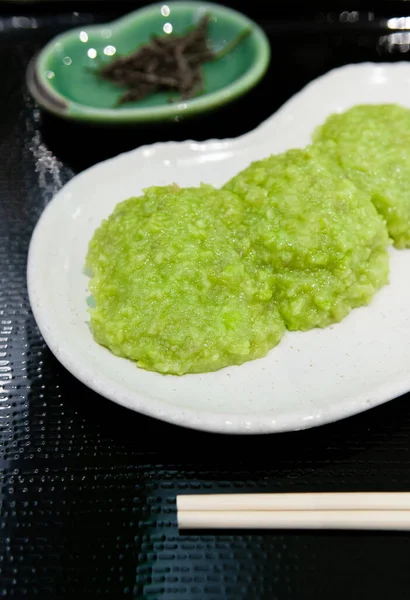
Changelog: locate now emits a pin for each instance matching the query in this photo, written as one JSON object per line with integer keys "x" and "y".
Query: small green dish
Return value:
{"x": 60, "y": 77}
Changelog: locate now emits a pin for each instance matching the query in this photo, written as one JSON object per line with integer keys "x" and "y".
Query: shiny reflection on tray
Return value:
{"x": 399, "y": 23}
{"x": 399, "y": 41}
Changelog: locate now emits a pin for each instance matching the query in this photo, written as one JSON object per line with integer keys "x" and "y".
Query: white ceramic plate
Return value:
{"x": 310, "y": 378}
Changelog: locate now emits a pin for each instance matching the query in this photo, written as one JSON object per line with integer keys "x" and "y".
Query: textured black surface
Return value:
{"x": 87, "y": 489}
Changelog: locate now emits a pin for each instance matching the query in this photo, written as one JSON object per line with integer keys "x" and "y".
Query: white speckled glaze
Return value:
{"x": 310, "y": 378}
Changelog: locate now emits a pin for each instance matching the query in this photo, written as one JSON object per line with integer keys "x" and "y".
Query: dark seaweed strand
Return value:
{"x": 167, "y": 63}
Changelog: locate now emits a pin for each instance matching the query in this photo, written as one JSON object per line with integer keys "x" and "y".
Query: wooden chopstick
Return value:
{"x": 357, "y": 510}
{"x": 290, "y": 502}
{"x": 397, "y": 520}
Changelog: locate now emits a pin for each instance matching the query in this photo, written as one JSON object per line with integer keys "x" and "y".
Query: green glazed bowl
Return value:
{"x": 62, "y": 81}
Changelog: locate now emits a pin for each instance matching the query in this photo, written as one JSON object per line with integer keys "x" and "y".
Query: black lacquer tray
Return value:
{"x": 87, "y": 489}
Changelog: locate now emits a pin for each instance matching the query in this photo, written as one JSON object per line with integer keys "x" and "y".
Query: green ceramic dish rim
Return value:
{"x": 212, "y": 100}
